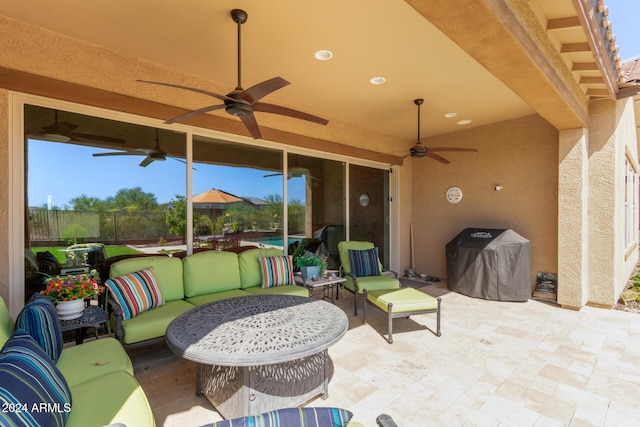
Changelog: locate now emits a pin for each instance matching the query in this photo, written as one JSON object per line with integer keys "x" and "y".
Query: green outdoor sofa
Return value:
{"x": 98, "y": 375}
{"x": 185, "y": 283}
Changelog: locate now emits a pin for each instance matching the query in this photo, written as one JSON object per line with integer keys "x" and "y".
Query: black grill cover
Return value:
{"x": 489, "y": 263}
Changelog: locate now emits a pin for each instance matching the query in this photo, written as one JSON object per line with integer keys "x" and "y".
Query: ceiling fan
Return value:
{"x": 420, "y": 150}
{"x": 295, "y": 172}
{"x": 243, "y": 103}
{"x": 64, "y": 132}
{"x": 151, "y": 154}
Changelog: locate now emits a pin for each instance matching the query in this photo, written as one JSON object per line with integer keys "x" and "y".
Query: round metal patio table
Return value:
{"x": 260, "y": 352}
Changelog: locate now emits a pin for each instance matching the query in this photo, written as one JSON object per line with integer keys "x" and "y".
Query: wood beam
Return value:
{"x": 584, "y": 66}
{"x": 57, "y": 89}
{"x": 562, "y": 23}
{"x": 591, "y": 80}
{"x": 575, "y": 47}
{"x": 593, "y": 29}
{"x": 598, "y": 92}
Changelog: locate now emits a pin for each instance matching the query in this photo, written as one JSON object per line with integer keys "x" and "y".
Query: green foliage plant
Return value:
{"x": 310, "y": 259}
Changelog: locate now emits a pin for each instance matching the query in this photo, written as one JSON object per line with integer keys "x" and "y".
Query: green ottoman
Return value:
{"x": 402, "y": 302}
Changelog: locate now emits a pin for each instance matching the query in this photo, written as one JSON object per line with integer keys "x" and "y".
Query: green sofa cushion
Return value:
{"x": 279, "y": 290}
{"x": 92, "y": 359}
{"x": 7, "y": 325}
{"x": 168, "y": 271}
{"x": 153, "y": 324}
{"x": 203, "y": 299}
{"x": 113, "y": 398}
{"x": 372, "y": 282}
{"x": 210, "y": 271}
{"x": 404, "y": 300}
{"x": 249, "y": 266}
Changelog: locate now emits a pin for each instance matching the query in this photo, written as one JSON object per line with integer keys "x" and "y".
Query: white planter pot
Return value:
{"x": 68, "y": 310}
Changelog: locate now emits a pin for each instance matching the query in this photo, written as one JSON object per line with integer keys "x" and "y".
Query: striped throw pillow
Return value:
{"x": 292, "y": 417}
{"x": 39, "y": 319}
{"x": 364, "y": 263}
{"x": 276, "y": 270}
{"x": 33, "y": 392}
{"x": 136, "y": 292}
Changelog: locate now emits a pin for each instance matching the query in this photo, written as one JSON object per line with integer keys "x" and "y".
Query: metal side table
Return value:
{"x": 92, "y": 317}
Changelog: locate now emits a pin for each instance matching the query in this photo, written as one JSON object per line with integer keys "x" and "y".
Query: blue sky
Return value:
{"x": 51, "y": 174}
{"x": 625, "y": 21}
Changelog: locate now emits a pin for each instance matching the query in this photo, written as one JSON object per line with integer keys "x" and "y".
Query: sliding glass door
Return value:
{"x": 96, "y": 188}
{"x": 369, "y": 208}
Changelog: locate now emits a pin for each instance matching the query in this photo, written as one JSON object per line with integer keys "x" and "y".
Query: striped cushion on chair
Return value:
{"x": 39, "y": 319}
{"x": 136, "y": 292}
{"x": 292, "y": 417}
{"x": 33, "y": 392}
{"x": 364, "y": 263}
{"x": 276, "y": 271}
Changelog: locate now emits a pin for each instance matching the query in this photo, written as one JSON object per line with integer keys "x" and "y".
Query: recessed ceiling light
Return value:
{"x": 464, "y": 122}
{"x": 449, "y": 115}
{"x": 377, "y": 80}
{"x": 323, "y": 55}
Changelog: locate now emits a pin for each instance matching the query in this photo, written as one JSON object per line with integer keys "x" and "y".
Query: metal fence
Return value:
{"x": 69, "y": 226}
{"x": 75, "y": 226}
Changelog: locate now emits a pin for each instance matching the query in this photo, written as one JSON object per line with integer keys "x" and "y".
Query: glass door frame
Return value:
{"x": 16, "y": 170}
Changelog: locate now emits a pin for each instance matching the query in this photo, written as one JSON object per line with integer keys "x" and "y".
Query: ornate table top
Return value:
{"x": 256, "y": 330}
{"x": 91, "y": 316}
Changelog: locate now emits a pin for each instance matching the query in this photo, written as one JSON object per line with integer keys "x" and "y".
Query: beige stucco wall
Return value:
{"x": 4, "y": 196}
{"x": 612, "y": 138}
{"x": 573, "y": 219}
{"x": 522, "y": 156}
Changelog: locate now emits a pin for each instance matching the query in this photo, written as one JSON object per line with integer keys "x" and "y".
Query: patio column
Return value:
{"x": 573, "y": 222}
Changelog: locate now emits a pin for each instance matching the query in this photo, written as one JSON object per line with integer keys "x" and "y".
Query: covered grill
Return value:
{"x": 492, "y": 264}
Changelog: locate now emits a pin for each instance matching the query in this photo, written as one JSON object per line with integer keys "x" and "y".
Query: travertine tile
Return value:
{"x": 496, "y": 364}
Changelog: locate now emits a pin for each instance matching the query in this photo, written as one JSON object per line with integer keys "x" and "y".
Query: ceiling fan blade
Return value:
{"x": 400, "y": 160}
{"x": 451, "y": 149}
{"x": 119, "y": 153}
{"x": 284, "y": 111}
{"x": 438, "y": 158}
{"x": 92, "y": 137}
{"x": 273, "y": 174}
{"x": 252, "y": 126}
{"x": 51, "y": 137}
{"x": 256, "y": 92}
{"x": 147, "y": 161}
{"x": 182, "y": 161}
{"x": 193, "y": 89}
{"x": 195, "y": 113}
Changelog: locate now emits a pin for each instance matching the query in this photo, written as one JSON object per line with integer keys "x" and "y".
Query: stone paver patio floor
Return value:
{"x": 497, "y": 363}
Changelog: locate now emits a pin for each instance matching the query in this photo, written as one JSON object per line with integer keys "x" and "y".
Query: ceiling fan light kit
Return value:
{"x": 240, "y": 102}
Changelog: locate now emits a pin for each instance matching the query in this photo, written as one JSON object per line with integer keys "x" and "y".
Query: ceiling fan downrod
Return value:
{"x": 418, "y": 102}
{"x": 239, "y": 16}
{"x": 239, "y": 107}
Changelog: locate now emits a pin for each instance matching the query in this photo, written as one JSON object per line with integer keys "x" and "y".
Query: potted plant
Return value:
{"x": 311, "y": 265}
{"x": 70, "y": 292}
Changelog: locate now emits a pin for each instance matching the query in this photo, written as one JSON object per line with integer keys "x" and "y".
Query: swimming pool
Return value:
{"x": 274, "y": 241}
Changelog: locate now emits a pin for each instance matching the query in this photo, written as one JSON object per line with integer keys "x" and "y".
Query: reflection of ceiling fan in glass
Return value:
{"x": 295, "y": 172}
{"x": 151, "y": 154}
{"x": 62, "y": 131}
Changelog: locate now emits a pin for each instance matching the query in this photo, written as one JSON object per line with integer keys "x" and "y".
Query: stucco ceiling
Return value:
{"x": 368, "y": 38}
